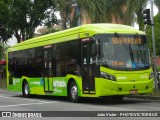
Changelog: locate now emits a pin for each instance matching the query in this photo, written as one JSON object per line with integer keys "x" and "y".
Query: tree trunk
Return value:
{"x": 64, "y": 20}
{"x": 17, "y": 36}
{"x": 140, "y": 22}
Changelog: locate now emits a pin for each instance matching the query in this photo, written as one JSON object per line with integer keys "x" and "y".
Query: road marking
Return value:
{"x": 21, "y": 99}
{"x": 17, "y": 105}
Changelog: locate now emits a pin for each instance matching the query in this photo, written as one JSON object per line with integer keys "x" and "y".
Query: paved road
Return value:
{"x": 15, "y": 102}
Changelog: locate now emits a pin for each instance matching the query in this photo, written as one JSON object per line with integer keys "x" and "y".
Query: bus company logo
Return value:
{"x": 57, "y": 91}
{"x": 58, "y": 83}
{"x": 143, "y": 77}
{"x": 122, "y": 77}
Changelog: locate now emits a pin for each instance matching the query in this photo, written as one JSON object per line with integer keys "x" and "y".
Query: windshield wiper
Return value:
{"x": 130, "y": 52}
{"x": 142, "y": 58}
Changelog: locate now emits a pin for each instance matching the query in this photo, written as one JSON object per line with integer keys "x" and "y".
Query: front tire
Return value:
{"x": 73, "y": 92}
{"x": 26, "y": 92}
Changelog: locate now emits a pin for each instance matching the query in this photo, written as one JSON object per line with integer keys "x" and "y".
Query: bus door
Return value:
{"x": 47, "y": 69}
{"x": 87, "y": 68}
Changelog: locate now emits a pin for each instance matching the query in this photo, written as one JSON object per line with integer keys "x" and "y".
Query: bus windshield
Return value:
{"x": 124, "y": 52}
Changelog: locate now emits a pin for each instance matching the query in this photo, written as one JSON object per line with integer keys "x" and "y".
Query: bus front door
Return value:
{"x": 47, "y": 69}
{"x": 88, "y": 79}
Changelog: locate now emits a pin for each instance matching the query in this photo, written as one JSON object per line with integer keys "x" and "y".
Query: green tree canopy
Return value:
{"x": 157, "y": 2}
{"x": 99, "y": 11}
{"x": 157, "y": 34}
{"x": 102, "y": 11}
{"x": 3, "y": 49}
{"x": 134, "y": 10}
{"x": 21, "y": 17}
{"x": 4, "y": 33}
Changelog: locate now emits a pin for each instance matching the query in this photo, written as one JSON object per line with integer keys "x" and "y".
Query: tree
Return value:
{"x": 4, "y": 33}
{"x": 69, "y": 12}
{"x": 157, "y": 34}
{"x": 135, "y": 8}
{"x": 157, "y": 2}
{"x": 46, "y": 30}
{"x": 3, "y": 49}
{"x": 102, "y": 11}
{"x": 21, "y": 17}
{"x": 64, "y": 8}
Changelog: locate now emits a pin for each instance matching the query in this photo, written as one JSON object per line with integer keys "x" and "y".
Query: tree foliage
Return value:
{"x": 99, "y": 11}
{"x": 46, "y": 30}
{"x": 135, "y": 8}
{"x": 102, "y": 11}
{"x": 157, "y": 34}
{"x": 69, "y": 12}
{"x": 157, "y": 2}
{"x": 21, "y": 17}
{"x": 4, "y": 33}
{"x": 3, "y": 49}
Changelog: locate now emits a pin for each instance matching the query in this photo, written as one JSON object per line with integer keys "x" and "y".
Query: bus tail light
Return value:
{"x": 108, "y": 76}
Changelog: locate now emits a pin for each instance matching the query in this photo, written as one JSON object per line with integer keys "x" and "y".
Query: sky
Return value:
{"x": 13, "y": 41}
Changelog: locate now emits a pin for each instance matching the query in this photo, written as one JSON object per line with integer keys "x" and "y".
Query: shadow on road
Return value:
{"x": 93, "y": 101}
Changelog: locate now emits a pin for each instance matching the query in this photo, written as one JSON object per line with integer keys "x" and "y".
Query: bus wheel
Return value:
{"x": 26, "y": 92}
{"x": 73, "y": 92}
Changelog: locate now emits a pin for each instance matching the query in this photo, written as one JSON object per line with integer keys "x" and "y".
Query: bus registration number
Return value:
{"x": 133, "y": 91}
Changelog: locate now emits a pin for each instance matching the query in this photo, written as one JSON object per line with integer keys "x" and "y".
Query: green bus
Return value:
{"x": 93, "y": 60}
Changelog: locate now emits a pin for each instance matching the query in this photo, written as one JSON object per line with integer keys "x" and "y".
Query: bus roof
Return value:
{"x": 83, "y": 31}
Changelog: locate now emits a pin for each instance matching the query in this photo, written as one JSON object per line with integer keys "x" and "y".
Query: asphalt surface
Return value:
{"x": 11, "y": 101}
{"x": 152, "y": 96}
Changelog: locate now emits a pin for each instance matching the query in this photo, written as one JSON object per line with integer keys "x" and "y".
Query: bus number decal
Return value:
{"x": 57, "y": 91}
{"x": 15, "y": 81}
{"x": 59, "y": 83}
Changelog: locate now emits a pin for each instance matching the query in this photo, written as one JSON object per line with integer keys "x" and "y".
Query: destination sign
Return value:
{"x": 126, "y": 40}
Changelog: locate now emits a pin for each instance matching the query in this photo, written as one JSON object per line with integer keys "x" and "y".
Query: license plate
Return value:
{"x": 133, "y": 91}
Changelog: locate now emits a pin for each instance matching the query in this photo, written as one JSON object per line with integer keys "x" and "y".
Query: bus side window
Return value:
{"x": 73, "y": 57}
{"x": 59, "y": 57}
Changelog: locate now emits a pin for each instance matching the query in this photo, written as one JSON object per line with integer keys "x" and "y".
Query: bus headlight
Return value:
{"x": 108, "y": 76}
{"x": 151, "y": 75}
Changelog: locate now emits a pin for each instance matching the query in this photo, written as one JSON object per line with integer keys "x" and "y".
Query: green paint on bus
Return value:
{"x": 93, "y": 60}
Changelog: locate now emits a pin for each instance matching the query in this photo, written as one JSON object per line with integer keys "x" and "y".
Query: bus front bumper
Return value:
{"x": 108, "y": 88}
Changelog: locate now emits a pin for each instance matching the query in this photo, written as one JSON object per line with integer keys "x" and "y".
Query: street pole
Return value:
{"x": 154, "y": 48}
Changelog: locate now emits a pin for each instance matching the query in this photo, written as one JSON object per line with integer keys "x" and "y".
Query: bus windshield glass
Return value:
{"x": 124, "y": 52}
